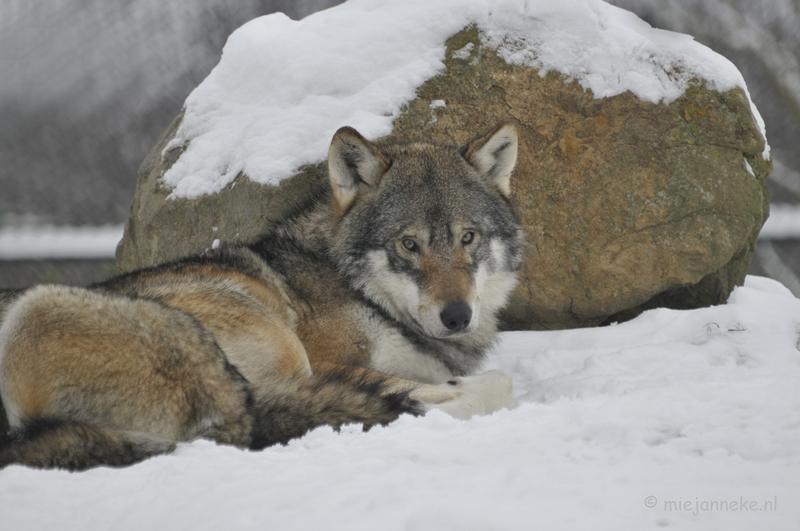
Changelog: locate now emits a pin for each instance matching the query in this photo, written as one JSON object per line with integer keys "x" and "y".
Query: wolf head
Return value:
{"x": 427, "y": 231}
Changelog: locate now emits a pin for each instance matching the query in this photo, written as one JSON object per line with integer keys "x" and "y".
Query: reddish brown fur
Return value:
{"x": 70, "y": 333}
{"x": 446, "y": 280}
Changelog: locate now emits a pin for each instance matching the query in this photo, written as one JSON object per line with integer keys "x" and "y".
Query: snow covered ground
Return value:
{"x": 682, "y": 420}
{"x": 676, "y": 420}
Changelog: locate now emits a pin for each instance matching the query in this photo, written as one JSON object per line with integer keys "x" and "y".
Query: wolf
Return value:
{"x": 378, "y": 296}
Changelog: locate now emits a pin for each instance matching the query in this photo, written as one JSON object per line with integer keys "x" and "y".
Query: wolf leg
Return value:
{"x": 347, "y": 395}
{"x": 50, "y": 443}
{"x": 462, "y": 397}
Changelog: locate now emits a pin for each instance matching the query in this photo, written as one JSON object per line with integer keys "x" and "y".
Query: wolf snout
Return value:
{"x": 456, "y": 316}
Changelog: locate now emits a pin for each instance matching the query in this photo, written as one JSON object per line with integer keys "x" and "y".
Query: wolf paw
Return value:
{"x": 457, "y": 404}
{"x": 494, "y": 388}
{"x": 462, "y": 406}
{"x": 465, "y": 396}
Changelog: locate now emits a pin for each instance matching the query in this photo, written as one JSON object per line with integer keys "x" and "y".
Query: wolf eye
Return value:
{"x": 468, "y": 237}
{"x": 410, "y": 244}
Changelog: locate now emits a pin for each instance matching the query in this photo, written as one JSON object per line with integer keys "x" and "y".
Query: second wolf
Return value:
{"x": 378, "y": 297}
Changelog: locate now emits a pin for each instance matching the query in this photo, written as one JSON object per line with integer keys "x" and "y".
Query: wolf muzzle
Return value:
{"x": 456, "y": 316}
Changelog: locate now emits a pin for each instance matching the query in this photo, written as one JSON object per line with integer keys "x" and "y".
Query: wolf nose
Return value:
{"x": 456, "y": 316}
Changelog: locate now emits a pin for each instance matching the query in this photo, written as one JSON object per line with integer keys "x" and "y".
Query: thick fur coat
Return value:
{"x": 377, "y": 297}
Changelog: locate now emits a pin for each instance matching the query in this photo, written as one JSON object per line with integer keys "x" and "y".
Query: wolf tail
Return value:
{"x": 48, "y": 443}
{"x": 334, "y": 398}
{"x": 288, "y": 409}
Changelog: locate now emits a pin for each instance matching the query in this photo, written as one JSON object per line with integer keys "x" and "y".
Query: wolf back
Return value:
{"x": 378, "y": 297}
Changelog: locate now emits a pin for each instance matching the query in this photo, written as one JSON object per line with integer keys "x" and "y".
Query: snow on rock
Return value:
{"x": 654, "y": 423}
{"x": 283, "y": 87}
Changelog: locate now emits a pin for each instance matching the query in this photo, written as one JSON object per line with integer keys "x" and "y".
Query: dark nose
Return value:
{"x": 456, "y": 316}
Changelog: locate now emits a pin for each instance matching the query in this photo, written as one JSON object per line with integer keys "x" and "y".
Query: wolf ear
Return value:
{"x": 353, "y": 162}
{"x": 494, "y": 155}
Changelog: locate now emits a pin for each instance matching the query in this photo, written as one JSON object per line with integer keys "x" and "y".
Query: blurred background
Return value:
{"x": 89, "y": 85}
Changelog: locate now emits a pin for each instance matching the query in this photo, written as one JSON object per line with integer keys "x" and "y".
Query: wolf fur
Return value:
{"x": 376, "y": 298}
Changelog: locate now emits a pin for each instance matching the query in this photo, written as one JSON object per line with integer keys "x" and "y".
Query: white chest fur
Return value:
{"x": 392, "y": 353}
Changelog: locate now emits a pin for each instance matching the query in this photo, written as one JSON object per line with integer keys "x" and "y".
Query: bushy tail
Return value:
{"x": 52, "y": 443}
{"x": 287, "y": 409}
{"x": 348, "y": 396}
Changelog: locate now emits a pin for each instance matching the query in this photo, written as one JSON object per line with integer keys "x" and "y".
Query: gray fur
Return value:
{"x": 354, "y": 286}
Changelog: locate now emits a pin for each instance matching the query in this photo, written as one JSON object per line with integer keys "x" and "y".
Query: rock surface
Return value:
{"x": 628, "y": 205}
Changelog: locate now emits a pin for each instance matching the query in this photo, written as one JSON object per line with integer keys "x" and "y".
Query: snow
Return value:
{"x": 51, "y": 242}
{"x": 283, "y": 87}
{"x": 783, "y": 223}
{"x": 653, "y": 423}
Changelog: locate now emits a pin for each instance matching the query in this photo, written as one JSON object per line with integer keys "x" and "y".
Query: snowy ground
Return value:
{"x": 677, "y": 419}
{"x": 683, "y": 420}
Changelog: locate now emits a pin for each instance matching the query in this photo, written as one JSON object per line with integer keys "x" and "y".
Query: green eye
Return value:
{"x": 410, "y": 244}
{"x": 468, "y": 237}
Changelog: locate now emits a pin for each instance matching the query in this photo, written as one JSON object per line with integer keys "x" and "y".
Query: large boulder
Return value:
{"x": 627, "y": 204}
